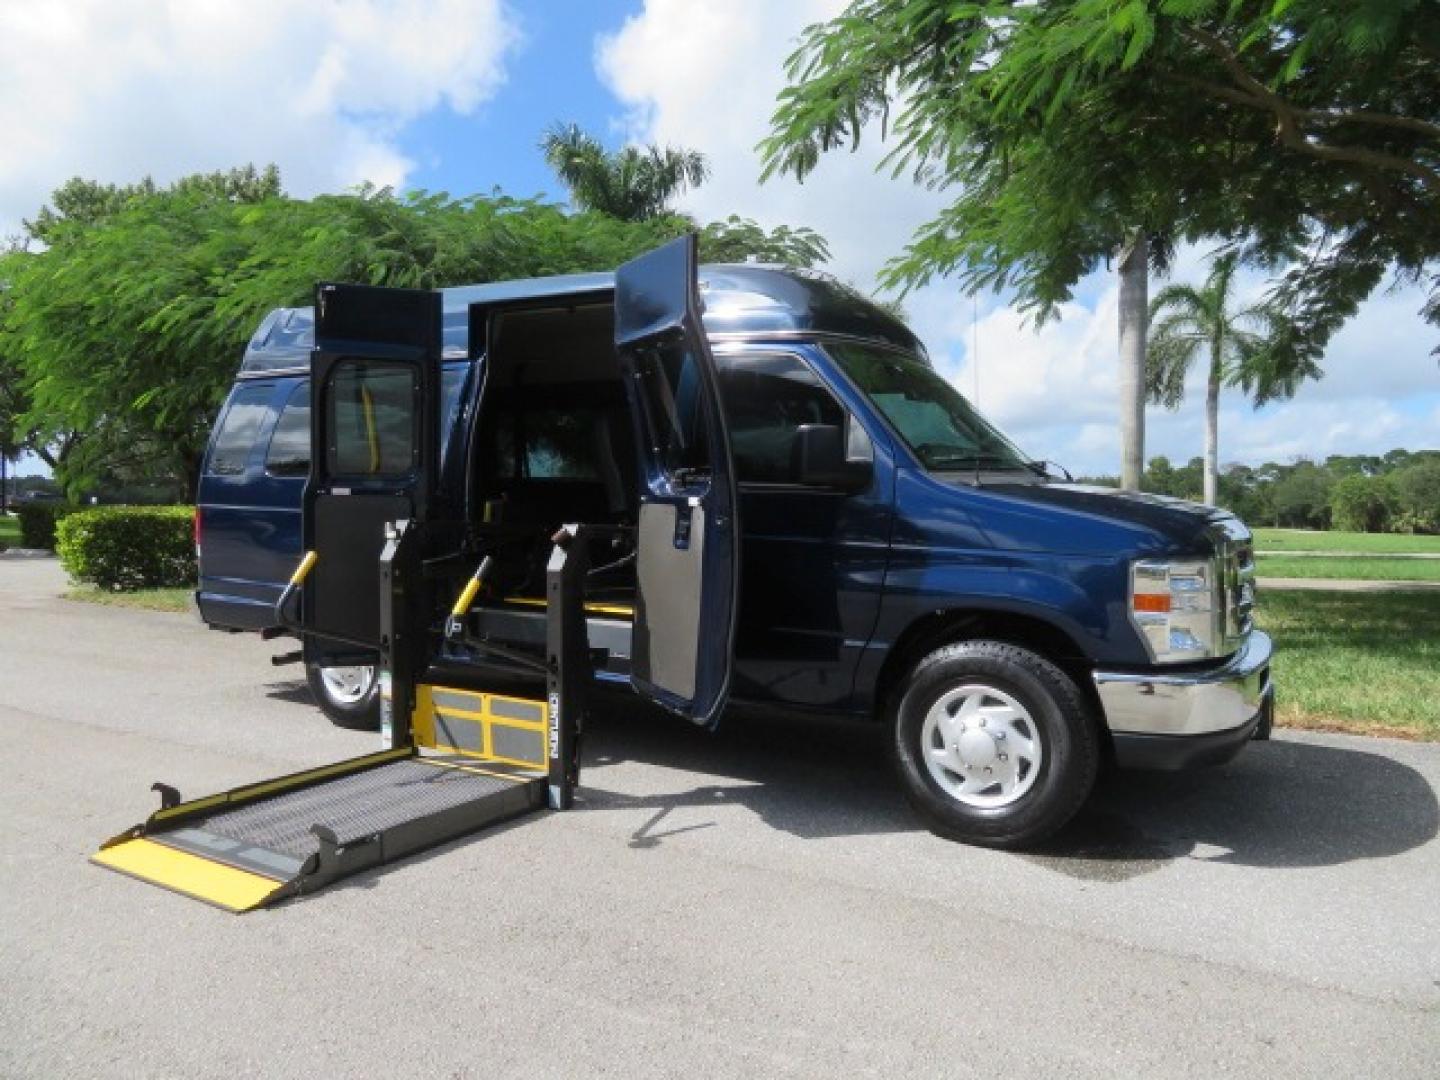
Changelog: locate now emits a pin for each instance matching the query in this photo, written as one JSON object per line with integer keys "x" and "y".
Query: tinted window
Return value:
{"x": 236, "y": 437}
{"x": 766, "y": 398}
{"x": 289, "y": 453}
{"x": 371, "y": 410}
{"x": 670, "y": 393}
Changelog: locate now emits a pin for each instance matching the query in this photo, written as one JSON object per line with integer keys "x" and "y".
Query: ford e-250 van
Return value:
{"x": 863, "y": 542}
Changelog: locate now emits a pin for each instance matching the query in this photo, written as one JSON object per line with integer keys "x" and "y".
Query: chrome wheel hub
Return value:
{"x": 981, "y": 746}
{"x": 347, "y": 685}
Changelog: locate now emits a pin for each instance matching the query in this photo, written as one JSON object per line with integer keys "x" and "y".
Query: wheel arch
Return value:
{"x": 952, "y": 625}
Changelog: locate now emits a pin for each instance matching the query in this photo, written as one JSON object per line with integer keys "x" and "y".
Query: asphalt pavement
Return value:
{"x": 754, "y": 903}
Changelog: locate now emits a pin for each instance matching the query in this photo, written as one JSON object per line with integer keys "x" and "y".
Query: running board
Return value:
{"x": 263, "y": 843}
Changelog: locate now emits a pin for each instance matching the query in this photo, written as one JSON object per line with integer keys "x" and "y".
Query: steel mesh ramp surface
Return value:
{"x": 257, "y": 845}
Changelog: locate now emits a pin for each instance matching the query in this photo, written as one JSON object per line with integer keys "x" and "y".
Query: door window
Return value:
{"x": 236, "y": 437}
{"x": 671, "y": 395}
{"x": 289, "y": 451}
{"x": 371, "y": 406}
{"x": 767, "y": 397}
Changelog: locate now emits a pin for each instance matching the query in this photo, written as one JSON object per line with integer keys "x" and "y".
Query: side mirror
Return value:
{"x": 818, "y": 458}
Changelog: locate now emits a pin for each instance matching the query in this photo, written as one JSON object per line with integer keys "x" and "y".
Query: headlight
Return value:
{"x": 1174, "y": 604}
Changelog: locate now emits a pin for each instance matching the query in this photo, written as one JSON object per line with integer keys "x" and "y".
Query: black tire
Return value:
{"x": 356, "y": 713}
{"x": 1069, "y": 744}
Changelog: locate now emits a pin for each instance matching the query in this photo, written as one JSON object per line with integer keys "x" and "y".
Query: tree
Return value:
{"x": 119, "y": 384}
{"x": 1362, "y": 503}
{"x": 88, "y": 202}
{"x": 738, "y": 239}
{"x": 632, "y": 184}
{"x": 1188, "y": 321}
{"x": 1417, "y": 491}
{"x": 1134, "y": 287}
{"x": 1302, "y": 496}
{"x": 1067, "y": 129}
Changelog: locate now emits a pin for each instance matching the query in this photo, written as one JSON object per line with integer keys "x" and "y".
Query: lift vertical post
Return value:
{"x": 567, "y": 659}
{"x": 399, "y": 580}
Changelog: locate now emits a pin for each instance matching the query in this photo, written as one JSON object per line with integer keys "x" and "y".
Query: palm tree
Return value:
{"x": 632, "y": 184}
{"x": 1186, "y": 320}
{"x": 1134, "y": 270}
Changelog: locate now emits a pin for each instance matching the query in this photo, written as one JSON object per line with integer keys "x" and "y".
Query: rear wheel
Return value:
{"x": 993, "y": 743}
{"x": 349, "y": 696}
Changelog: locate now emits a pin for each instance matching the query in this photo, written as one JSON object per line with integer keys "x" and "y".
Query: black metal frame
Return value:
{"x": 567, "y": 659}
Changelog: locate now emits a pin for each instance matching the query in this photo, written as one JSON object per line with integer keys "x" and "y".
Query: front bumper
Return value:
{"x": 1177, "y": 720}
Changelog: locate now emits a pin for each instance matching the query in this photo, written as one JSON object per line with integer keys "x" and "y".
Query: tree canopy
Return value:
{"x": 119, "y": 338}
{"x": 1396, "y": 492}
{"x": 1304, "y": 133}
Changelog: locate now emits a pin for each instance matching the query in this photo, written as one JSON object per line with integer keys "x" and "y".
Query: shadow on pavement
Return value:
{"x": 296, "y": 693}
{"x": 811, "y": 778}
{"x": 1280, "y": 804}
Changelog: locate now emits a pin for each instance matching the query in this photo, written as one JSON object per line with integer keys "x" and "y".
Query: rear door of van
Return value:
{"x": 375, "y": 381}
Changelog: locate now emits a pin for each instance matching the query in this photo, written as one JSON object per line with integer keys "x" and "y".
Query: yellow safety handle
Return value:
{"x": 455, "y": 626}
{"x": 466, "y": 597}
{"x": 306, "y": 565}
{"x": 372, "y": 435}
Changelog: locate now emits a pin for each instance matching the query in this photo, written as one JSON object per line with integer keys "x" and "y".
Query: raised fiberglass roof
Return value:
{"x": 739, "y": 299}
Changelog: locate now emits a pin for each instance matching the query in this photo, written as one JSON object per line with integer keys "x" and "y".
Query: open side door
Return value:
{"x": 375, "y": 384}
{"x": 687, "y": 558}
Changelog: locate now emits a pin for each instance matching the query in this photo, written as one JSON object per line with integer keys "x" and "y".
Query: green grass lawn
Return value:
{"x": 1372, "y": 568}
{"x": 148, "y": 599}
{"x": 1367, "y": 663}
{"x": 9, "y": 531}
{"x": 1367, "y": 543}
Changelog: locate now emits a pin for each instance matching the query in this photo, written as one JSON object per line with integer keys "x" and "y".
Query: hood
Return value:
{"x": 1183, "y": 523}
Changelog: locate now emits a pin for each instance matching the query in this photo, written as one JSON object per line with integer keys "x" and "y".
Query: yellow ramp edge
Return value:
{"x": 215, "y": 883}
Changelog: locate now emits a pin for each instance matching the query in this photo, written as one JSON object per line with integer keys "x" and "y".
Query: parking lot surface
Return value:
{"x": 753, "y": 903}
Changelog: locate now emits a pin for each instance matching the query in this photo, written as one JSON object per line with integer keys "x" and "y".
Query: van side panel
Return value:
{"x": 250, "y": 524}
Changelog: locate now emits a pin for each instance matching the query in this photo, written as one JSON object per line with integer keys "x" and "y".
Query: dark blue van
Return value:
{"x": 898, "y": 557}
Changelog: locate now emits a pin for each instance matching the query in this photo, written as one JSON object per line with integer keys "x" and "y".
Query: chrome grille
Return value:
{"x": 1235, "y": 557}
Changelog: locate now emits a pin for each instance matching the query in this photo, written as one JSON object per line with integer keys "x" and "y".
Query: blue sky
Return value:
{"x": 552, "y": 78}
{"x": 455, "y": 94}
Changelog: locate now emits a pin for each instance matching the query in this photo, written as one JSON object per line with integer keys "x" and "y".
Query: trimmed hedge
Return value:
{"x": 37, "y": 522}
{"x": 129, "y": 547}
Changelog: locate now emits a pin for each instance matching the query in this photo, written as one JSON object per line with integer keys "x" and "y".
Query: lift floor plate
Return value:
{"x": 257, "y": 845}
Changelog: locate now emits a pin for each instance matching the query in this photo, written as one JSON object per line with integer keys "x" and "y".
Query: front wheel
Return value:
{"x": 994, "y": 744}
{"x": 349, "y": 696}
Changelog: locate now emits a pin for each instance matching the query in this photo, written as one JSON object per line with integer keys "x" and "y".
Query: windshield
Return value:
{"x": 942, "y": 428}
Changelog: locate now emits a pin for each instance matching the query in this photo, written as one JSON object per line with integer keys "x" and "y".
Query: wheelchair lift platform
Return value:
{"x": 462, "y": 759}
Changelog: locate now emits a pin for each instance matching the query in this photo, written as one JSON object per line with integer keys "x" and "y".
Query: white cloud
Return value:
{"x": 113, "y": 91}
{"x": 706, "y": 76}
